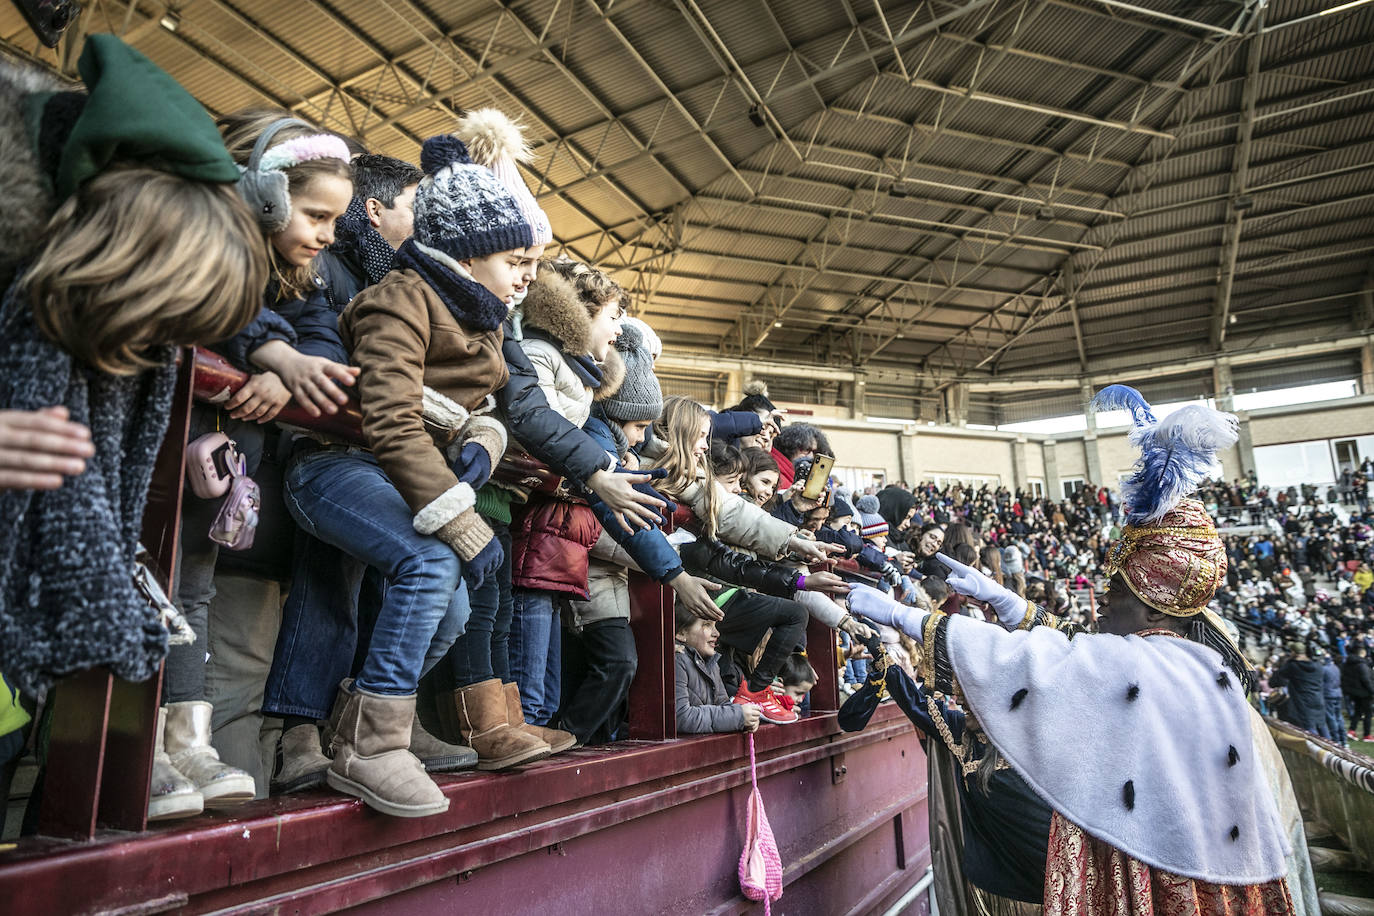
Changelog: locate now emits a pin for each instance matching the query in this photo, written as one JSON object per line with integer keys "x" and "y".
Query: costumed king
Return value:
{"x": 1139, "y": 737}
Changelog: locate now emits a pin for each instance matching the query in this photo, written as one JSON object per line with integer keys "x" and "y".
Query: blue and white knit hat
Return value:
{"x": 462, "y": 209}
{"x": 871, "y": 524}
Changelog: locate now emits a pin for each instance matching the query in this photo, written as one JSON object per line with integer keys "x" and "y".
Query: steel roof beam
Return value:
{"x": 365, "y": 41}
{"x": 1240, "y": 179}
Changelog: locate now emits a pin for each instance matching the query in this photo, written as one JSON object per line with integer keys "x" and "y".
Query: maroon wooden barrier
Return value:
{"x": 216, "y": 380}
{"x": 653, "y": 716}
{"x": 821, "y": 652}
{"x": 100, "y": 746}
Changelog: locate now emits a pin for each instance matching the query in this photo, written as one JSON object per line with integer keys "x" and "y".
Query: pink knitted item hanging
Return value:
{"x": 760, "y": 866}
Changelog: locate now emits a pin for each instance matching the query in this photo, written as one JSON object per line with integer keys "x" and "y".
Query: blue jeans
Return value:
{"x": 1335, "y": 719}
{"x": 482, "y": 652}
{"x": 536, "y": 637}
{"x": 319, "y": 630}
{"x": 343, "y": 498}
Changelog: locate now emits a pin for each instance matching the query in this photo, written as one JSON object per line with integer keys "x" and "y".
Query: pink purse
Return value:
{"x": 760, "y": 865}
{"x": 209, "y": 463}
{"x": 237, "y": 522}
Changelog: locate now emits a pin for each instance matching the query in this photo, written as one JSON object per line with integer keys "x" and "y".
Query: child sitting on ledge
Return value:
{"x": 702, "y": 703}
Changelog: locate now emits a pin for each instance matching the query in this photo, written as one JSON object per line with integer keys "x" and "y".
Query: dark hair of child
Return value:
{"x": 726, "y": 460}
{"x": 796, "y": 671}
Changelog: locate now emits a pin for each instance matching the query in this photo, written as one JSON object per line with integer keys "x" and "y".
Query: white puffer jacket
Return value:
{"x": 553, "y": 307}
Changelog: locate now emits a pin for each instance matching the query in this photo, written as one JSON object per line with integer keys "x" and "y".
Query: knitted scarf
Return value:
{"x": 358, "y": 243}
{"x": 67, "y": 599}
{"x": 471, "y": 304}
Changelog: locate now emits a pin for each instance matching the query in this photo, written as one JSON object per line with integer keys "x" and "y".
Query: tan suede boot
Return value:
{"x": 557, "y": 739}
{"x": 172, "y": 795}
{"x": 439, "y": 756}
{"x": 371, "y": 759}
{"x": 187, "y": 741}
{"x": 481, "y": 710}
{"x": 302, "y": 762}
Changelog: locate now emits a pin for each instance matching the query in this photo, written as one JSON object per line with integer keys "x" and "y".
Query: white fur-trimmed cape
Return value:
{"x": 1144, "y": 742}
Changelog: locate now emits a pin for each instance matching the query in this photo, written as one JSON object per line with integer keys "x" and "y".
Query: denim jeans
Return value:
{"x": 536, "y": 654}
{"x": 319, "y": 629}
{"x": 343, "y": 498}
{"x": 1335, "y": 720}
{"x": 481, "y": 652}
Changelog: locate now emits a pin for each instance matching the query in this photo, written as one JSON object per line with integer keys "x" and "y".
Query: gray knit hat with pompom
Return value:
{"x": 639, "y": 397}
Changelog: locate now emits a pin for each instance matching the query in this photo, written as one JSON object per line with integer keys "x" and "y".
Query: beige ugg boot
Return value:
{"x": 482, "y": 721}
{"x": 302, "y": 761}
{"x": 371, "y": 759}
{"x": 188, "y": 745}
{"x": 439, "y": 756}
{"x": 172, "y": 795}
{"x": 557, "y": 739}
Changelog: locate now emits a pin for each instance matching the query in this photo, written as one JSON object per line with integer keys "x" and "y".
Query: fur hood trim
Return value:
{"x": 612, "y": 375}
{"x": 553, "y": 306}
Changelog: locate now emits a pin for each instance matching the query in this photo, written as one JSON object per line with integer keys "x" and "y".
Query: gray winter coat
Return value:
{"x": 702, "y": 704}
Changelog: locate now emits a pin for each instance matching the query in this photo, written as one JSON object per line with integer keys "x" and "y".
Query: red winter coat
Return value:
{"x": 549, "y": 545}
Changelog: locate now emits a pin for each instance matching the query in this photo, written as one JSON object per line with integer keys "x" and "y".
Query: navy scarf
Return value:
{"x": 473, "y": 305}
{"x": 357, "y": 242}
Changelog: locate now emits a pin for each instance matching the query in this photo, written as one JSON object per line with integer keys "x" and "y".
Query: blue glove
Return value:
{"x": 485, "y": 565}
{"x": 656, "y": 474}
{"x": 473, "y": 465}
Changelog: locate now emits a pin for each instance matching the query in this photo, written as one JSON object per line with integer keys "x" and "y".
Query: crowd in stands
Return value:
{"x": 457, "y": 591}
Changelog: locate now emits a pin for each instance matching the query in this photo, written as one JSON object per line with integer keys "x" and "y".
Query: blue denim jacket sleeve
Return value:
{"x": 647, "y": 546}
{"x": 267, "y": 326}
{"x": 316, "y": 325}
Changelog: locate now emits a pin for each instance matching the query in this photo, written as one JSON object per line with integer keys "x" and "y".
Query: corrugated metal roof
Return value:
{"x": 915, "y": 197}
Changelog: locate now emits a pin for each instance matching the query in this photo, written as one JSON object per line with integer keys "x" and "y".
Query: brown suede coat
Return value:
{"x": 422, "y": 374}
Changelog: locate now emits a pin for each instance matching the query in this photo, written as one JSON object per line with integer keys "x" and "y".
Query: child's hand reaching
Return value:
{"x": 692, "y": 592}
{"x": 312, "y": 380}
{"x": 260, "y": 399}
{"x": 752, "y": 717}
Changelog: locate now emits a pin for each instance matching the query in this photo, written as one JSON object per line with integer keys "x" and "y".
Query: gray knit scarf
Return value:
{"x": 67, "y": 600}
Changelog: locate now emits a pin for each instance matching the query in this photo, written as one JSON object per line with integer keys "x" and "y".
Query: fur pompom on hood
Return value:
{"x": 491, "y": 136}
{"x": 756, "y": 386}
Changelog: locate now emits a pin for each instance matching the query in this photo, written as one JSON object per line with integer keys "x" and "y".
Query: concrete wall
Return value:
{"x": 952, "y": 455}
{"x": 919, "y": 452}
{"x": 1300, "y": 422}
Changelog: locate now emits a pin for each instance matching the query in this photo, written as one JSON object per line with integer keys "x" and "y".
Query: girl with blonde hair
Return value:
{"x": 762, "y": 628}
{"x": 295, "y": 180}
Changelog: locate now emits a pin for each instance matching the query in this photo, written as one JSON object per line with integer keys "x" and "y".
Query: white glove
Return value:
{"x": 1009, "y": 606}
{"x": 866, "y": 601}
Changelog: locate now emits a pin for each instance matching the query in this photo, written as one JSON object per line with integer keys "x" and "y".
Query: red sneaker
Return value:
{"x": 770, "y": 707}
{"x": 1350, "y": 733}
